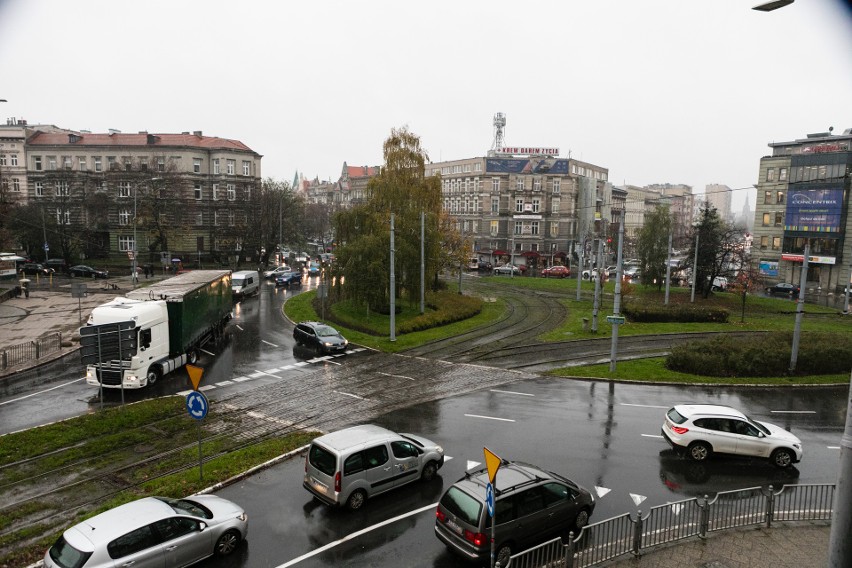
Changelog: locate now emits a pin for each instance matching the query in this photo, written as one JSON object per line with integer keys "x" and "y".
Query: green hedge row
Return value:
{"x": 443, "y": 308}
{"x": 764, "y": 355}
{"x": 654, "y": 313}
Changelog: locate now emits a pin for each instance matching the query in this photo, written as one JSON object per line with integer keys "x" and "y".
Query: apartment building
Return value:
{"x": 803, "y": 198}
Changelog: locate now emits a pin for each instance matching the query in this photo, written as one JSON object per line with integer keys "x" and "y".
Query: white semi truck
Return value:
{"x": 171, "y": 321}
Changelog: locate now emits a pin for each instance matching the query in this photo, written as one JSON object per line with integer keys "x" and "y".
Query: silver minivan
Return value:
{"x": 245, "y": 283}
{"x": 347, "y": 467}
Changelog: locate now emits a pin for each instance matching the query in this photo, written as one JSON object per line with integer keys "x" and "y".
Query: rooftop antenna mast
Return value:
{"x": 499, "y": 125}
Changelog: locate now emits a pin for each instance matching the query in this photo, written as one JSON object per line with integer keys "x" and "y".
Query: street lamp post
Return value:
{"x": 135, "y": 248}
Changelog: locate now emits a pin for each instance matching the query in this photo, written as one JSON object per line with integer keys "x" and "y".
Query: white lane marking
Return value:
{"x": 350, "y": 394}
{"x": 207, "y": 387}
{"x": 832, "y": 447}
{"x": 223, "y": 383}
{"x": 601, "y": 491}
{"x": 42, "y": 391}
{"x": 356, "y": 534}
{"x": 300, "y": 364}
{"x": 396, "y": 376}
{"x": 184, "y": 393}
{"x": 512, "y": 392}
{"x": 238, "y": 327}
{"x": 471, "y": 464}
{"x": 637, "y": 499}
{"x": 241, "y": 379}
{"x": 792, "y": 411}
{"x": 257, "y": 374}
{"x": 265, "y": 341}
{"x": 269, "y": 373}
{"x": 652, "y": 435}
{"x": 643, "y": 405}
{"x": 287, "y": 367}
{"x": 489, "y": 417}
{"x": 208, "y": 352}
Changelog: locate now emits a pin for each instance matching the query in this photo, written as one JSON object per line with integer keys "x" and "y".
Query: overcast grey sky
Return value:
{"x": 677, "y": 91}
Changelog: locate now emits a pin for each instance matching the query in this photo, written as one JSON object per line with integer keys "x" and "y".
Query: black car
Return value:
{"x": 288, "y": 279}
{"x": 783, "y": 289}
{"x": 320, "y": 336}
{"x": 83, "y": 270}
{"x": 58, "y": 265}
{"x": 32, "y": 268}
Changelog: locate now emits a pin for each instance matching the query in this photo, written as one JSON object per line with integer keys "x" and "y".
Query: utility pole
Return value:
{"x": 839, "y": 544}
{"x": 392, "y": 285}
{"x": 422, "y": 262}
{"x": 695, "y": 269}
{"x": 597, "y": 303}
{"x": 616, "y": 306}
{"x": 800, "y": 309}
{"x": 668, "y": 268}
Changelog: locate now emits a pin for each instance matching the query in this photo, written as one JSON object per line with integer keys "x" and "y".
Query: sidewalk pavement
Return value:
{"x": 50, "y": 308}
{"x": 793, "y": 545}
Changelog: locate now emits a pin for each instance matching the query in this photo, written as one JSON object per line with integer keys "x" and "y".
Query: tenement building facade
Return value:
{"x": 534, "y": 209}
{"x": 803, "y": 198}
{"x": 105, "y": 194}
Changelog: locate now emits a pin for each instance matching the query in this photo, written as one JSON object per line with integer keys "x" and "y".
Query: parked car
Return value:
{"x": 140, "y": 532}
{"x": 593, "y": 274}
{"x": 700, "y": 430}
{"x": 288, "y": 279}
{"x": 719, "y": 283}
{"x": 273, "y": 272}
{"x": 783, "y": 289}
{"x": 531, "y": 506}
{"x": 557, "y": 271}
{"x": 320, "y": 336}
{"x": 32, "y": 268}
{"x": 88, "y": 271}
{"x": 58, "y": 265}
{"x": 347, "y": 467}
{"x": 485, "y": 266}
{"x": 507, "y": 269}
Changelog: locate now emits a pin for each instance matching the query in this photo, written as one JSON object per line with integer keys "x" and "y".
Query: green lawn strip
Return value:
{"x": 654, "y": 370}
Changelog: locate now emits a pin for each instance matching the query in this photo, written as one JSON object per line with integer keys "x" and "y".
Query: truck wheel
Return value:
{"x": 192, "y": 356}
{"x": 153, "y": 375}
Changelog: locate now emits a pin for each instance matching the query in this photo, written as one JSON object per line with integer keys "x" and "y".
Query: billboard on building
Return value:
{"x": 526, "y": 165}
{"x": 814, "y": 210}
{"x": 768, "y": 267}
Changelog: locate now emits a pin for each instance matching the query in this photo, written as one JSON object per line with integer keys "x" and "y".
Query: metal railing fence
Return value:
{"x": 14, "y": 355}
{"x": 668, "y": 523}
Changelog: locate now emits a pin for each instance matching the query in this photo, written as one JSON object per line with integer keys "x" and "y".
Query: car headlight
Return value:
{"x": 439, "y": 449}
{"x": 243, "y": 516}
{"x": 797, "y": 446}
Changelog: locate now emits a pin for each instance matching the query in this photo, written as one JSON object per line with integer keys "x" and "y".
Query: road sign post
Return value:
{"x": 197, "y": 406}
{"x": 492, "y": 462}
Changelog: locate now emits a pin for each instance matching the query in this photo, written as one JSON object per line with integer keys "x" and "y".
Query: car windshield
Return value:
{"x": 326, "y": 331}
{"x": 237, "y": 282}
{"x": 758, "y": 425}
{"x": 66, "y": 556}
{"x": 187, "y": 507}
{"x": 462, "y": 505}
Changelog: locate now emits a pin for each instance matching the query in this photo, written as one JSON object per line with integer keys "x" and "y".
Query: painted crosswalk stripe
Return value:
{"x": 489, "y": 417}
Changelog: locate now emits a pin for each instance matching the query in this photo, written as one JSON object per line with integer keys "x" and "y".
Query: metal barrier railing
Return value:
{"x": 668, "y": 523}
{"x": 22, "y": 352}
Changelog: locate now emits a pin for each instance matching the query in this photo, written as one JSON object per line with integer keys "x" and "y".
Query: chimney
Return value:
{"x": 73, "y": 138}
{"x": 196, "y": 133}
{"x": 114, "y": 131}
{"x": 151, "y": 139}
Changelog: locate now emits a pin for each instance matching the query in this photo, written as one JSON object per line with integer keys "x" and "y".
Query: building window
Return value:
{"x": 51, "y": 163}
{"x": 534, "y": 228}
{"x": 519, "y": 205}
{"x": 776, "y": 243}
{"x": 248, "y": 193}
{"x": 104, "y": 186}
{"x": 2, "y": 159}
{"x": 767, "y": 197}
{"x": 231, "y": 218}
{"x": 216, "y": 166}
{"x": 519, "y": 227}
{"x": 128, "y": 164}
{"x": 14, "y": 159}
{"x": 66, "y": 162}
{"x": 196, "y": 165}
{"x": 161, "y": 164}
{"x": 782, "y": 174}
{"x": 536, "y": 205}
{"x": 62, "y": 188}
{"x": 495, "y": 205}
{"x": 197, "y": 191}
{"x": 494, "y": 228}
{"x": 124, "y": 189}
{"x": 764, "y": 242}
{"x": 82, "y": 161}
{"x": 199, "y": 219}
{"x": 536, "y": 184}
{"x": 766, "y": 219}
{"x": 554, "y": 230}
{"x": 779, "y": 218}
{"x": 143, "y": 165}
{"x": 215, "y": 195}
{"x": 124, "y": 217}
{"x": 519, "y": 184}
{"x": 99, "y": 167}
{"x": 246, "y": 168}
{"x": 16, "y": 184}
{"x": 126, "y": 244}
{"x": 495, "y": 185}
{"x": 232, "y": 164}
{"x": 554, "y": 205}
{"x": 780, "y": 197}
{"x": 216, "y": 218}
{"x": 39, "y": 189}
{"x": 112, "y": 163}
{"x": 477, "y": 167}
{"x": 557, "y": 185}
{"x": 37, "y": 163}
{"x": 63, "y": 217}
{"x": 232, "y": 192}
{"x": 770, "y": 174}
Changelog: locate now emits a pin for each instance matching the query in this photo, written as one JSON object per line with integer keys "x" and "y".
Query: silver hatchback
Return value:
{"x": 154, "y": 531}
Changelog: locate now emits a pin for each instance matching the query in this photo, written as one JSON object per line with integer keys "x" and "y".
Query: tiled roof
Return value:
{"x": 121, "y": 139}
{"x": 362, "y": 171}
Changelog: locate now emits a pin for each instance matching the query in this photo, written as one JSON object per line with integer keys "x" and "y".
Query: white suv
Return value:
{"x": 702, "y": 429}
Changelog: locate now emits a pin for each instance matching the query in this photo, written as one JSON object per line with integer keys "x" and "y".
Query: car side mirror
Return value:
{"x": 201, "y": 526}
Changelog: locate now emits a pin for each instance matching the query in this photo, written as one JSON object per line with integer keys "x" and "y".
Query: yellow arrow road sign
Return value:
{"x": 492, "y": 462}
{"x": 195, "y": 373}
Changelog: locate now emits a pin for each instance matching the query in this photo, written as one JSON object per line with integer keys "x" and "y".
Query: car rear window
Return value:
{"x": 676, "y": 416}
{"x": 66, "y": 556}
{"x": 322, "y": 459}
{"x": 462, "y": 505}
